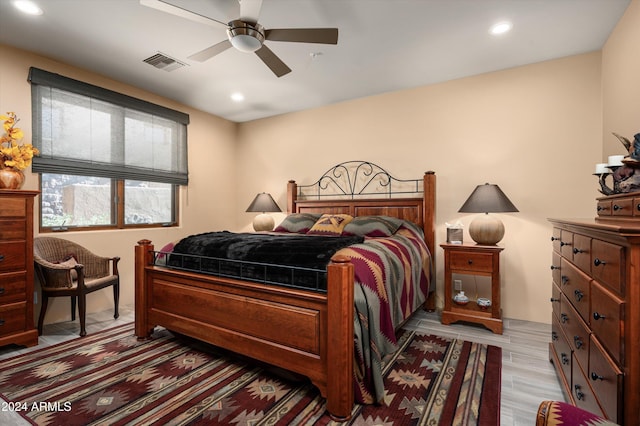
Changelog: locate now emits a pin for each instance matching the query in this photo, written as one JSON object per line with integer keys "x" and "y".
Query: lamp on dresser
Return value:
{"x": 487, "y": 229}
{"x": 264, "y": 204}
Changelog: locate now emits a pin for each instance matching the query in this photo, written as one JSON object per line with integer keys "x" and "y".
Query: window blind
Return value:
{"x": 82, "y": 129}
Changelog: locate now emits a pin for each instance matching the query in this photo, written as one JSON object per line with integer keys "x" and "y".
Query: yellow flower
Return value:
{"x": 13, "y": 154}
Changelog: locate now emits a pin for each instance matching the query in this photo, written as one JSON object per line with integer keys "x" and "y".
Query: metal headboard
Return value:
{"x": 353, "y": 179}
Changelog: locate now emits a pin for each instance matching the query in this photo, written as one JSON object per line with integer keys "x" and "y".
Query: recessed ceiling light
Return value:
{"x": 501, "y": 28}
{"x": 28, "y": 7}
{"x": 237, "y": 97}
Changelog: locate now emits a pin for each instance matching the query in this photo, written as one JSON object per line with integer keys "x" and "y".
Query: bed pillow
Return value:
{"x": 330, "y": 224}
{"x": 373, "y": 226}
{"x": 299, "y": 223}
{"x": 163, "y": 254}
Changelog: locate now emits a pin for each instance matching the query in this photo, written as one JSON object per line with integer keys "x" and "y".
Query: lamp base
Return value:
{"x": 486, "y": 229}
{"x": 263, "y": 222}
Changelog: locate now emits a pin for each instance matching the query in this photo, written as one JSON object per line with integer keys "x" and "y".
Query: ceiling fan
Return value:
{"x": 247, "y": 35}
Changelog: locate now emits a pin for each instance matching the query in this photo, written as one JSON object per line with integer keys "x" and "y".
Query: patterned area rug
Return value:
{"x": 111, "y": 378}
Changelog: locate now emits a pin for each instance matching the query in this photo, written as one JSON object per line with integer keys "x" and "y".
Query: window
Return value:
{"x": 106, "y": 159}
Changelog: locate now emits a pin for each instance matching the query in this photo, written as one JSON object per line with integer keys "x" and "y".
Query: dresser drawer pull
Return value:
{"x": 578, "y": 294}
{"x": 597, "y": 316}
{"x": 1, "y": 291}
{"x": 554, "y": 336}
{"x": 578, "y": 392}
{"x": 564, "y": 318}
{"x": 576, "y": 250}
{"x": 554, "y": 267}
{"x": 638, "y": 207}
{"x": 601, "y": 208}
{"x": 598, "y": 262}
{"x": 554, "y": 299}
{"x": 594, "y": 376}
{"x": 1, "y": 257}
{"x": 565, "y": 358}
{"x": 562, "y": 244}
{"x": 564, "y": 279}
{"x": 617, "y": 207}
{"x": 1, "y": 322}
{"x": 470, "y": 262}
{"x": 578, "y": 342}
{"x": 558, "y": 238}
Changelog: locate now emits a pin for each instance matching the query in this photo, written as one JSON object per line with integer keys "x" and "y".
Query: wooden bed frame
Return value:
{"x": 302, "y": 331}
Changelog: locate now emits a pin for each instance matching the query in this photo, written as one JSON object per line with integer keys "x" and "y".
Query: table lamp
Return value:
{"x": 263, "y": 203}
{"x": 487, "y": 229}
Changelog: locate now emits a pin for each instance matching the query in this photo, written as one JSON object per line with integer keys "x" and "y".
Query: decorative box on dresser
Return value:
{"x": 595, "y": 343}
{"x": 16, "y": 268}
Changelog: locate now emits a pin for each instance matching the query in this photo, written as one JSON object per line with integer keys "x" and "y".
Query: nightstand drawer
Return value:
{"x": 473, "y": 262}
{"x": 13, "y": 318}
{"x": 12, "y": 256}
{"x": 12, "y": 287}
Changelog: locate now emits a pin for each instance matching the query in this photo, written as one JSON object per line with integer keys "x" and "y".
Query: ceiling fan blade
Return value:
{"x": 250, "y": 10}
{"x": 274, "y": 63}
{"x": 166, "y": 7}
{"x": 303, "y": 35}
{"x": 211, "y": 51}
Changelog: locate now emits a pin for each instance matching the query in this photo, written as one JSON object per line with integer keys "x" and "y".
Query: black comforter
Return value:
{"x": 285, "y": 259}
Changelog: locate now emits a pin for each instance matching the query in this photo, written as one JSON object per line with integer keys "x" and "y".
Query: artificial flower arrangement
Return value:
{"x": 13, "y": 154}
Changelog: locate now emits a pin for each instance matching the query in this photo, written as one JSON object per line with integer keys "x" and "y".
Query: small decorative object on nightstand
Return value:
{"x": 472, "y": 259}
{"x": 263, "y": 203}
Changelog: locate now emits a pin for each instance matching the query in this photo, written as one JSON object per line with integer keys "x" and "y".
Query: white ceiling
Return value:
{"x": 383, "y": 46}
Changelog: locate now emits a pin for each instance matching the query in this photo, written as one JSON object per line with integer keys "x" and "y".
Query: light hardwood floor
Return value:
{"x": 528, "y": 377}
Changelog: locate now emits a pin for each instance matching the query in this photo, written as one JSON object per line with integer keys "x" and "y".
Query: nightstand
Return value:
{"x": 475, "y": 260}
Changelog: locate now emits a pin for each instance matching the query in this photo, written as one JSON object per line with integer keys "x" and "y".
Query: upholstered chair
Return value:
{"x": 65, "y": 268}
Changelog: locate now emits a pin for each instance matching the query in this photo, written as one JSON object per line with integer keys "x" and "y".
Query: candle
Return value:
{"x": 615, "y": 160}
{"x": 601, "y": 168}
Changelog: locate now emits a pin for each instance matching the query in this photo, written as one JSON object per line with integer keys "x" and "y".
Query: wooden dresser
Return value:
{"x": 16, "y": 268}
{"x": 595, "y": 343}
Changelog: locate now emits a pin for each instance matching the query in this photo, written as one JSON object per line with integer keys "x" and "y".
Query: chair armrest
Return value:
{"x": 56, "y": 275}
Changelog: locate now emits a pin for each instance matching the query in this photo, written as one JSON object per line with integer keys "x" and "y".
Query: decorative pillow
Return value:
{"x": 373, "y": 226}
{"x": 161, "y": 257}
{"x": 330, "y": 224}
{"x": 299, "y": 223}
{"x": 69, "y": 262}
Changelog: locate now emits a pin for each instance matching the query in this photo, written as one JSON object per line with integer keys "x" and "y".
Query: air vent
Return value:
{"x": 164, "y": 62}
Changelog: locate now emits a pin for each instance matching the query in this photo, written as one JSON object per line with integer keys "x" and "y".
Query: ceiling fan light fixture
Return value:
{"x": 244, "y": 36}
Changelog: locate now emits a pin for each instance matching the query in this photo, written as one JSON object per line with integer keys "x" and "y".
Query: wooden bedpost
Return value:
{"x": 340, "y": 351}
{"x": 143, "y": 257}
{"x": 429, "y": 226}
{"x": 292, "y": 194}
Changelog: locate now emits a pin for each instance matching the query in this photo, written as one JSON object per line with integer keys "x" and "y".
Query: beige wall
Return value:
{"x": 533, "y": 130}
{"x": 211, "y": 162}
{"x": 621, "y": 82}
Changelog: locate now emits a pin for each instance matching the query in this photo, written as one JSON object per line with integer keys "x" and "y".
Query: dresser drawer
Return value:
{"x": 582, "y": 252}
{"x": 575, "y": 285}
{"x": 566, "y": 244}
{"x": 607, "y": 264}
{"x": 13, "y": 317}
{"x": 15, "y": 229}
{"x": 582, "y": 393}
{"x": 622, "y": 207}
{"x": 562, "y": 349}
{"x": 604, "y": 208}
{"x": 12, "y": 287}
{"x": 607, "y": 320}
{"x": 606, "y": 381}
{"x": 12, "y": 256}
{"x": 576, "y": 330}
{"x": 556, "y": 237}
{"x": 13, "y": 207}
{"x": 556, "y": 268}
{"x": 555, "y": 300}
{"x": 472, "y": 262}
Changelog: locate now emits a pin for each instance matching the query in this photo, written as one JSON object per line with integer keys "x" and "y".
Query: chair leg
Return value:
{"x": 43, "y": 310}
{"x": 116, "y": 299}
{"x": 82, "y": 312}
{"x": 73, "y": 308}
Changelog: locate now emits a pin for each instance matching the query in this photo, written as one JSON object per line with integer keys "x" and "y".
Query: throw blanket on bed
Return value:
{"x": 392, "y": 280}
{"x": 267, "y": 254}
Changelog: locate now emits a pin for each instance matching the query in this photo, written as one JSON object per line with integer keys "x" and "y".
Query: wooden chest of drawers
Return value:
{"x": 595, "y": 344}
{"x": 16, "y": 268}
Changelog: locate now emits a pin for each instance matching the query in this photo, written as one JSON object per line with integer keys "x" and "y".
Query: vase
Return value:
{"x": 11, "y": 178}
